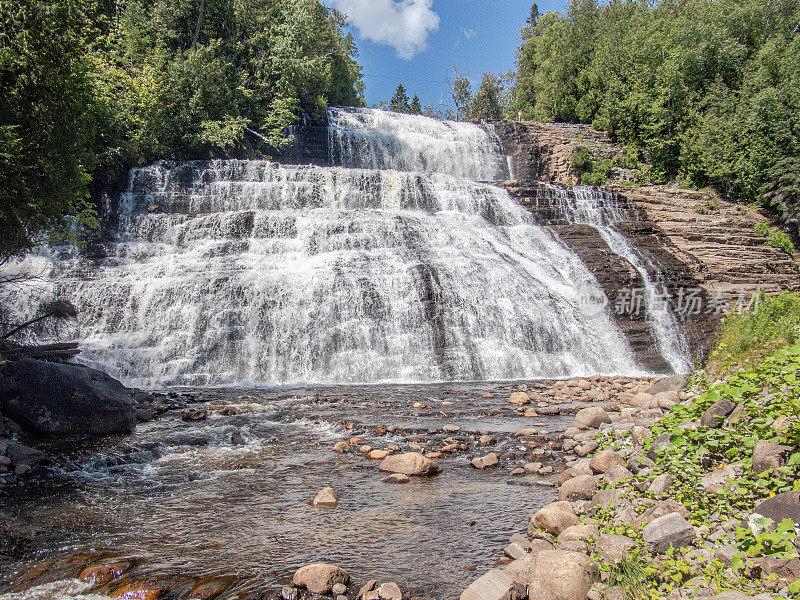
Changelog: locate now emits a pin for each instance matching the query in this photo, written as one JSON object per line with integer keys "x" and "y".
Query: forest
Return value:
{"x": 93, "y": 87}
{"x": 707, "y": 91}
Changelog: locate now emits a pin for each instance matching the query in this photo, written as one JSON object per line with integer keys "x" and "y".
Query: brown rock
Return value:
{"x": 411, "y": 464}
{"x": 519, "y": 398}
{"x": 604, "y": 460}
{"x": 769, "y": 455}
{"x": 716, "y": 413}
{"x": 554, "y": 518}
{"x": 560, "y": 575}
{"x": 138, "y": 591}
{"x": 582, "y": 487}
{"x": 326, "y": 497}
{"x": 485, "y": 462}
{"x": 319, "y": 578}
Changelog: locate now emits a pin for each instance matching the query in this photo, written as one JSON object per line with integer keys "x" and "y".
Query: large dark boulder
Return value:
{"x": 63, "y": 399}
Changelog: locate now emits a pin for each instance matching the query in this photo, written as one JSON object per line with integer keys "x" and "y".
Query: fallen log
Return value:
{"x": 59, "y": 352}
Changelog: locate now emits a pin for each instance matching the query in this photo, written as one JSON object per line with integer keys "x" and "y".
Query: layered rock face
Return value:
{"x": 707, "y": 250}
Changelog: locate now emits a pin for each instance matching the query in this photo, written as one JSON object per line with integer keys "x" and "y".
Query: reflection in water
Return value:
{"x": 229, "y": 496}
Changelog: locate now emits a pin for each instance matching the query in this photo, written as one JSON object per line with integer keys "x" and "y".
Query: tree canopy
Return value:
{"x": 707, "y": 89}
{"x": 93, "y": 87}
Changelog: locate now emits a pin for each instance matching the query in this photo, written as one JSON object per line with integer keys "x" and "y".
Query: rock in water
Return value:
{"x": 319, "y": 578}
{"x": 396, "y": 478}
{"x": 485, "y": 462}
{"x": 63, "y": 399}
{"x": 326, "y": 498}
{"x": 410, "y": 463}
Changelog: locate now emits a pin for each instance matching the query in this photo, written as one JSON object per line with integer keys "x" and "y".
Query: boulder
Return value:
{"x": 485, "y": 462}
{"x": 716, "y": 413}
{"x": 64, "y": 399}
{"x": 613, "y": 548}
{"x": 494, "y": 585}
{"x": 616, "y": 474}
{"x": 769, "y": 455}
{"x": 780, "y": 507}
{"x": 341, "y": 447}
{"x": 326, "y": 497}
{"x": 675, "y": 383}
{"x": 319, "y": 578}
{"x": 716, "y": 479}
{"x": 669, "y": 530}
{"x": 554, "y": 518}
{"x": 604, "y": 460}
{"x": 378, "y": 454}
{"x": 605, "y": 499}
{"x": 389, "y": 591}
{"x": 519, "y": 398}
{"x": 661, "y": 484}
{"x": 581, "y": 533}
{"x": 410, "y": 463}
{"x": 581, "y": 487}
{"x": 590, "y": 418}
{"x": 559, "y": 575}
{"x": 138, "y": 591}
{"x": 659, "y": 510}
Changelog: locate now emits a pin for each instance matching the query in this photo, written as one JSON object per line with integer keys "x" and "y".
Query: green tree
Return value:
{"x": 399, "y": 102}
{"x": 487, "y": 102}
{"x": 416, "y": 106}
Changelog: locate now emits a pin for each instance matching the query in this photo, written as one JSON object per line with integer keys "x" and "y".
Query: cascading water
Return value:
{"x": 250, "y": 272}
{"x": 588, "y": 206}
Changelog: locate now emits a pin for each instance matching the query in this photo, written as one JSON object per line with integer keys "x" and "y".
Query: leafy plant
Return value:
{"x": 581, "y": 159}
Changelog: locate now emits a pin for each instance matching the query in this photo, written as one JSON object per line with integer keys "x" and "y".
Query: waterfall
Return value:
{"x": 376, "y": 139}
{"x": 599, "y": 209}
{"x": 234, "y": 272}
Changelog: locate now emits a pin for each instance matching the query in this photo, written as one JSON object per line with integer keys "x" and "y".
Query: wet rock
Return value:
{"x": 238, "y": 439}
{"x": 20, "y": 454}
{"x": 341, "y": 447}
{"x": 554, "y": 518}
{"x": 319, "y": 578}
{"x": 519, "y": 398}
{"x": 138, "y": 591}
{"x": 339, "y": 589}
{"x": 64, "y": 399}
{"x": 196, "y": 414}
{"x": 288, "y": 593}
{"x": 365, "y": 449}
{"x": 590, "y": 418}
{"x": 411, "y": 464}
{"x": 582, "y": 487}
{"x": 451, "y": 429}
{"x": 209, "y": 588}
{"x": 669, "y": 530}
{"x": 561, "y": 575}
{"x": 326, "y": 497}
{"x": 716, "y": 413}
{"x": 396, "y": 478}
{"x": 527, "y": 432}
{"x": 143, "y": 415}
{"x": 97, "y": 575}
{"x": 486, "y": 440}
{"x": 769, "y": 455}
{"x": 367, "y": 587}
{"x": 494, "y": 585}
{"x": 530, "y": 413}
{"x": 389, "y": 591}
{"x": 604, "y": 460}
{"x": 378, "y": 454}
{"x": 485, "y": 462}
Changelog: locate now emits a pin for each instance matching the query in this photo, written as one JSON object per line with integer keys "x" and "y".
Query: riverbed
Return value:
{"x": 227, "y": 498}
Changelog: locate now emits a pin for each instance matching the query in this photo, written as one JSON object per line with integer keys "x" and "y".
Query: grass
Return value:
{"x": 745, "y": 339}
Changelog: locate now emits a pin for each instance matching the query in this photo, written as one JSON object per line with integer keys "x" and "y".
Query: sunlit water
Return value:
{"x": 187, "y": 503}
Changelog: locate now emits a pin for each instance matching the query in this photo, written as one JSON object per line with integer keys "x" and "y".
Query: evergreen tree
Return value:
{"x": 416, "y": 106}
{"x": 399, "y": 102}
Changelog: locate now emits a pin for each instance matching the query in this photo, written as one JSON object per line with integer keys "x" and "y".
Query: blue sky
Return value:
{"x": 416, "y": 42}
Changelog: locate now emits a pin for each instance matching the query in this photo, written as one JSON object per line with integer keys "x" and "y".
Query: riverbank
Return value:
{"x": 703, "y": 501}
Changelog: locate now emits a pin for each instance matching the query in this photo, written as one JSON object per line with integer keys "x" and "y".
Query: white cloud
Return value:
{"x": 401, "y": 24}
{"x": 469, "y": 33}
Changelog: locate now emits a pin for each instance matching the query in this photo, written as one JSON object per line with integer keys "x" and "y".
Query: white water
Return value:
{"x": 586, "y": 205}
{"x": 254, "y": 273}
{"x": 376, "y": 139}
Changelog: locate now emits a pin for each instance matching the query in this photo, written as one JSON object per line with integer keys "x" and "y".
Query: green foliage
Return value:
{"x": 416, "y": 107}
{"x": 93, "y": 88}
{"x": 775, "y": 237}
{"x": 581, "y": 159}
{"x": 705, "y": 89}
{"x": 601, "y": 171}
{"x": 487, "y": 104}
{"x": 745, "y": 339}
